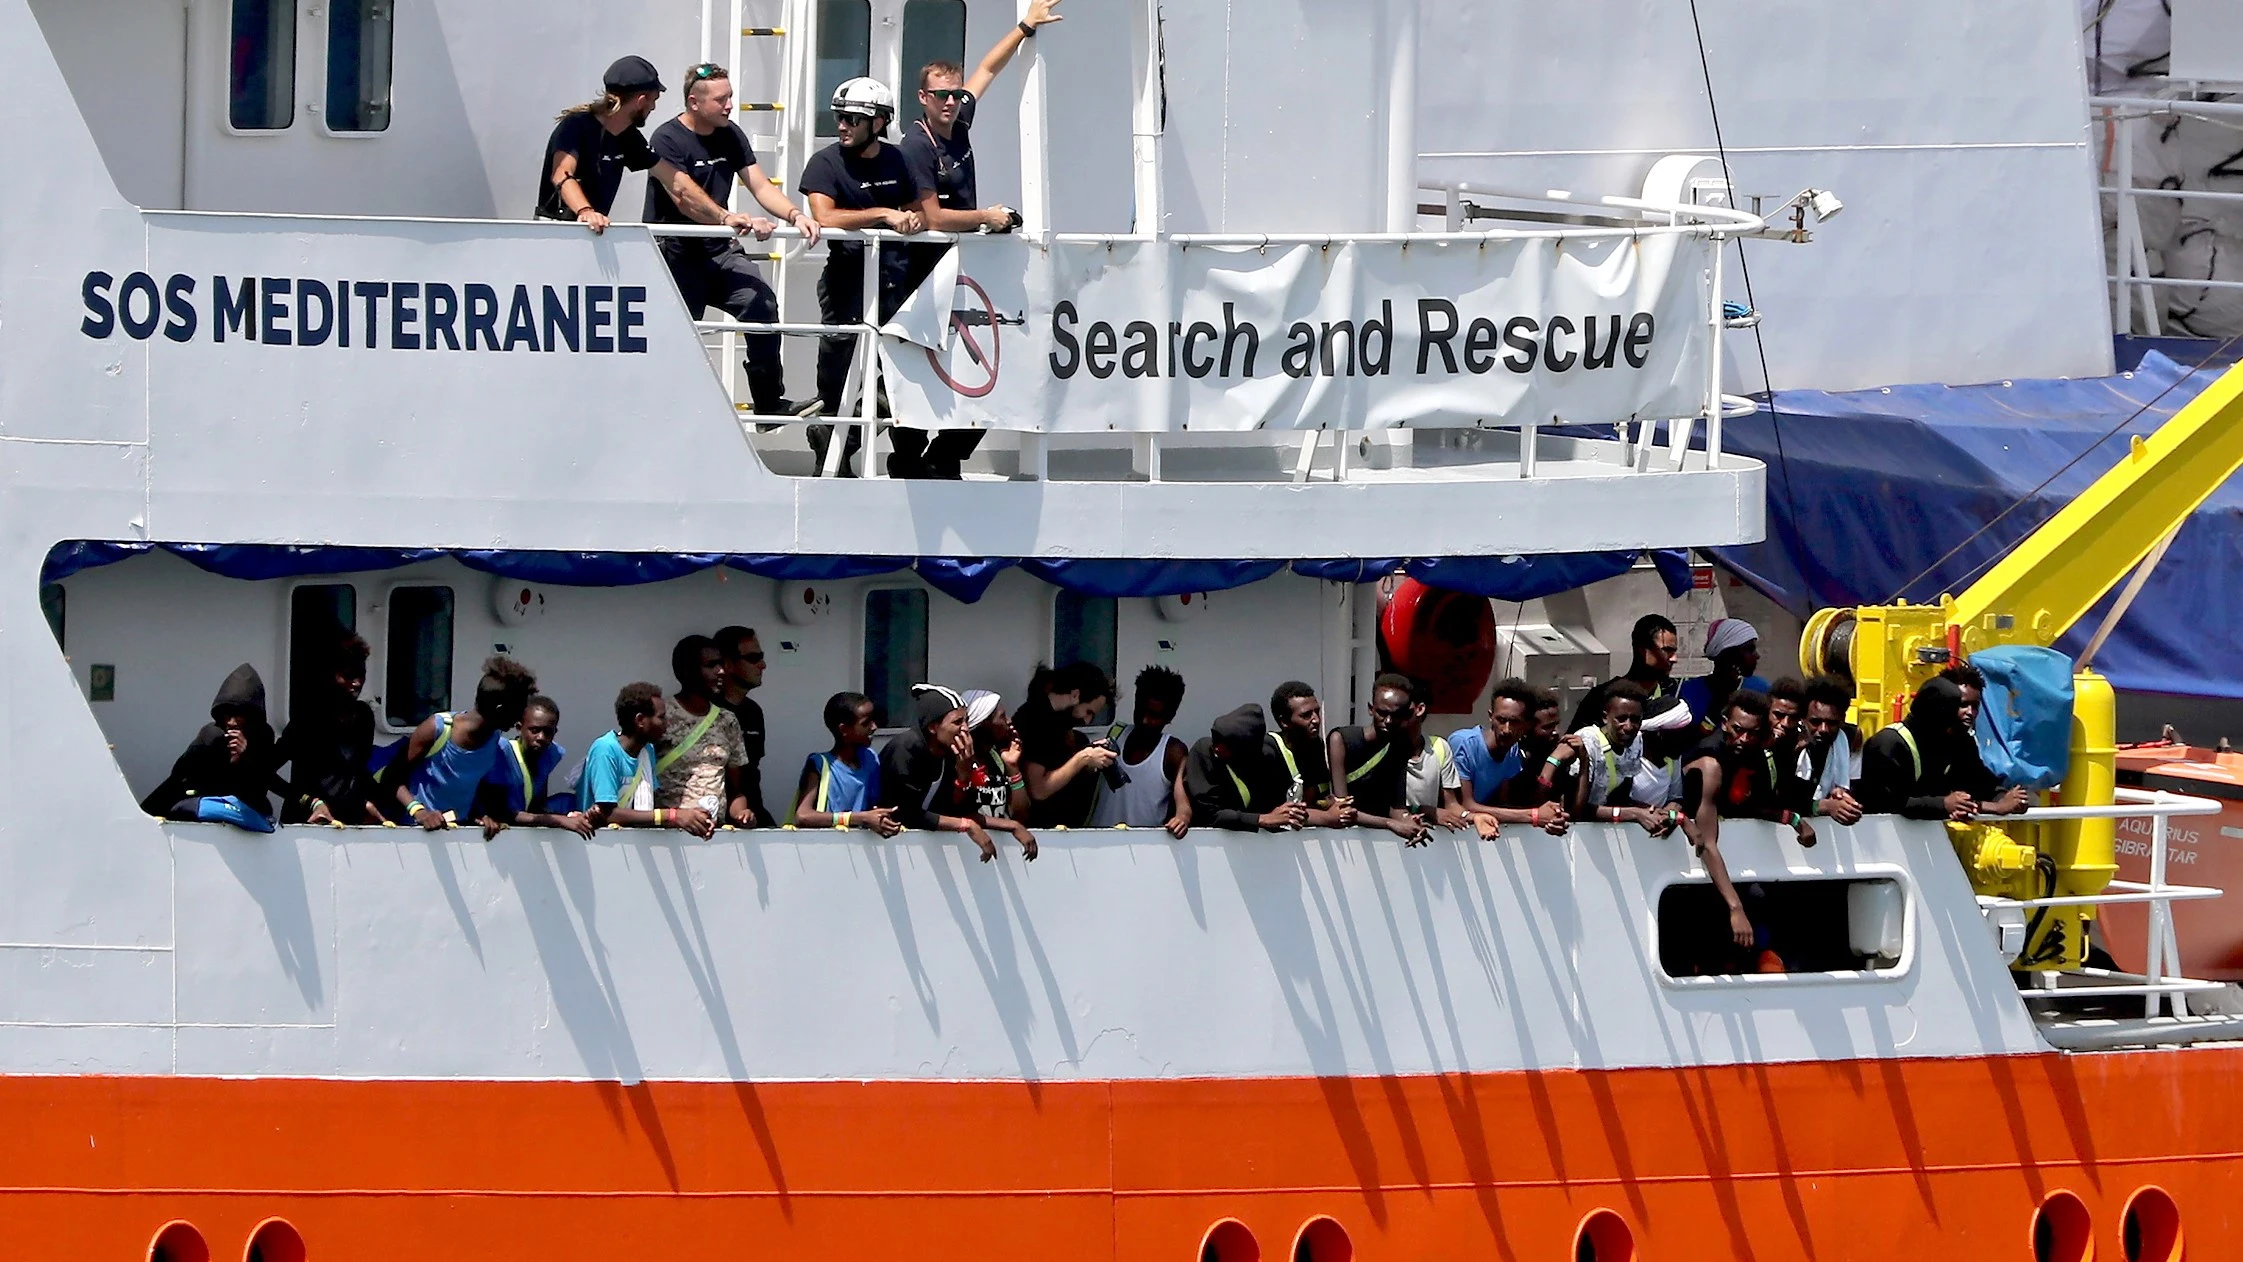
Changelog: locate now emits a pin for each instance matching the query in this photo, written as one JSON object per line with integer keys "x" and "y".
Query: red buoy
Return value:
{"x": 1445, "y": 638}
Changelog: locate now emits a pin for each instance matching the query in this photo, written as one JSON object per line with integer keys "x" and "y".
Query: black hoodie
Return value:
{"x": 205, "y": 770}
{"x": 326, "y": 748}
{"x": 1895, "y": 781}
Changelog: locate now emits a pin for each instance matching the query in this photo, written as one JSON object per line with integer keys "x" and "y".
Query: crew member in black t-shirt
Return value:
{"x": 710, "y": 148}
{"x": 1371, "y": 764}
{"x": 594, "y": 144}
{"x": 857, "y": 182}
{"x": 940, "y": 148}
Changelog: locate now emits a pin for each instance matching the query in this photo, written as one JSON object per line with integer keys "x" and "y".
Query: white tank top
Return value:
{"x": 1144, "y": 801}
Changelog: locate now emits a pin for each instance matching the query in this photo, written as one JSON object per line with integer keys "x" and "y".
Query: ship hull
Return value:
{"x": 1925, "y": 1159}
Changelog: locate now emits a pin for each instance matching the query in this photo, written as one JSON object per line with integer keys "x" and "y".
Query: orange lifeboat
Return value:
{"x": 1445, "y": 638}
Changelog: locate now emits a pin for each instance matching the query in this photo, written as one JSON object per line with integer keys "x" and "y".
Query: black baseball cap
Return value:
{"x": 633, "y": 74}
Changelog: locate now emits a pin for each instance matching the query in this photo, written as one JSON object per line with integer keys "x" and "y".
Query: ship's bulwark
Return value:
{"x": 1821, "y": 1161}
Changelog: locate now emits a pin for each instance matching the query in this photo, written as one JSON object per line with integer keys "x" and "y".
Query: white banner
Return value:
{"x": 1155, "y": 336}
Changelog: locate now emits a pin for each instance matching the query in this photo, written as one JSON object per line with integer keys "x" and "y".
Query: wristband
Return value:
{"x": 1027, "y": 31}
{"x": 414, "y": 807}
{"x": 841, "y": 821}
{"x": 658, "y": 817}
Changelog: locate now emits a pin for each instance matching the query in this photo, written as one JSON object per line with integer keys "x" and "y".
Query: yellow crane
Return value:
{"x": 2032, "y": 596}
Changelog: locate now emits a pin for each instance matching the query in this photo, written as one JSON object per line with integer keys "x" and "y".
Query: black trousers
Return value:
{"x": 841, "y": 301}
{"x": 725, "y": 279}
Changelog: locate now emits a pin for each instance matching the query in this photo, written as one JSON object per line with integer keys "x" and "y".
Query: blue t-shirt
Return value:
{"x": 1698, "y": 695}
{"x": 1484, "y": 770}
{"x": 608, "y": 769}
{"x": 446, "y": 780}
{"x": 507, "y": 775}
{"x": 843, "y": 787}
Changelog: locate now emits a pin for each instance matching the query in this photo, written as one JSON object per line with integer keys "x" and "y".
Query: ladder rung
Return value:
{"x": 757, "y": 107}
{"x": 763, "y": 31}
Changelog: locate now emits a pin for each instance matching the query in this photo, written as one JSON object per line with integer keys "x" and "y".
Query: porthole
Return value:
{"x": 1323, "y": 1240}
{"x": 2151, "y": 1231}
{"x": 1604, "y": 1237}
{"x": 1229, "y": 1241}
{"x": 2062, "y": 1230}
{"x": 275, "y": 1240}
{"x": 178, "y": 1242}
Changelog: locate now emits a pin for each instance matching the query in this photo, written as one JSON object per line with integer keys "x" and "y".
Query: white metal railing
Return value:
{"x": 2133, "y": 282}
{"x": 1463, "y": 201}
{"x": 859, "y": 403}
{"x": 2161, "y": 983}
{"x": 1631, "y": 219}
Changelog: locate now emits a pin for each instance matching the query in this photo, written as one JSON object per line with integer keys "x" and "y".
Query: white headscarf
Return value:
{"x": 1728, "y": 633}
{"x": 980, "y": 704}
{"x": 1673, "y": 718}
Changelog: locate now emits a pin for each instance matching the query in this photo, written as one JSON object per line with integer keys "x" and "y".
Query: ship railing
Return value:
{"x": 2133, "y": 279}
{"x": 1565, "y": 217}
{"x": 2160, "y": 985}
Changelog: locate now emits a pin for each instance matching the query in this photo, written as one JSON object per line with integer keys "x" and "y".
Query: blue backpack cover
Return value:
{"x": 2025, "y": 725}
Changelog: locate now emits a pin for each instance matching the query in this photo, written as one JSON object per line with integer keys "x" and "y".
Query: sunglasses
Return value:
{"x": 944, "y": 94}
{"x": 752, "y": 659}
{"x": 706, "y": 70}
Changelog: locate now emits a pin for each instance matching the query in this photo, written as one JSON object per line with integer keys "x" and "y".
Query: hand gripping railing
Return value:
{"x": 859, "y": 404}
{"x": 2161, "y": 981}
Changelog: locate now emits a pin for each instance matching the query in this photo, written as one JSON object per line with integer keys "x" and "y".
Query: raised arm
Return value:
{"x": 1040, "y": 15}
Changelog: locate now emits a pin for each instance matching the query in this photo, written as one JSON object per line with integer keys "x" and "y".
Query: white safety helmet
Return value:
{"x": 867, "y": 97}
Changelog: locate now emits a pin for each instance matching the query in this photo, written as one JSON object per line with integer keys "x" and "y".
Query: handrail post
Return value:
{"x": 868, "y": 350}
{"x": 2161, "y": 910}
{"x": 1716, "y": 323}
{"x": 2122, "y": 169}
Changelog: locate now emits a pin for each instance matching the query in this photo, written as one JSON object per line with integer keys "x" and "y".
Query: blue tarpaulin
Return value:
{"x": 1871, "y": 487}
{"x": 963, "y": 578}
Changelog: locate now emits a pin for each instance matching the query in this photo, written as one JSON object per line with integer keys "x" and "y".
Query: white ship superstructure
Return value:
{"x": 366, "y": 1042}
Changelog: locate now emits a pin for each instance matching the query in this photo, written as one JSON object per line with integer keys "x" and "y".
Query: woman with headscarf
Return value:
{"x": 998, "y": 783}
{"x": 926, "y": 774}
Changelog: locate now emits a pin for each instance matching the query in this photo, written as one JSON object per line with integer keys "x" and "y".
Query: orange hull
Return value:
{"x": 1917, "y": 1159}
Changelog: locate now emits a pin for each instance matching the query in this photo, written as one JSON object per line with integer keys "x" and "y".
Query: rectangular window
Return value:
{"x": 895, "y": 651}
{"x": 261, "y": 66}
{"x": 844, "y": 51}
{"x": 933, "y": 30}
{"x": 418, "y": 678}
{"x": 1819, "y": 925}
{"x": 1083, "y": 629}
{"x": 319, "y": 614}
{"x": 359, "y": 36}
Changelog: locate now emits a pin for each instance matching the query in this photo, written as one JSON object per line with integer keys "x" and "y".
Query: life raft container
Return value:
{"x": 1446, "y": 639}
